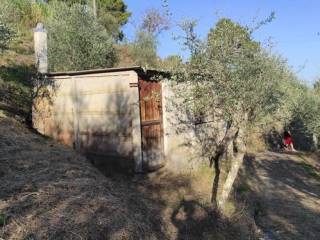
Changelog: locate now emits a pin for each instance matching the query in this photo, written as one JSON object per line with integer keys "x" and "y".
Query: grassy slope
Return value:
{"x": 50, "y": 192}
{"x": 16, "y": 71}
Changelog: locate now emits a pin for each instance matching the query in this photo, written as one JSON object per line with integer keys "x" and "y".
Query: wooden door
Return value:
{"x": 151, "y": 124}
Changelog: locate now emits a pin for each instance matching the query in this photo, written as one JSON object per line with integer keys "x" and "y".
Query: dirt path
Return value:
{"x": 285, "y": 193}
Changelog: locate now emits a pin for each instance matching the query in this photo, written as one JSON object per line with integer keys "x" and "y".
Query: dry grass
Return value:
{"x": 50, "y": 192}
{"x": 16, "y": 71}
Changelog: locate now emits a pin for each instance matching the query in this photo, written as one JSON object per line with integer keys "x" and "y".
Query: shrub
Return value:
{"x": 6, "y": 35}
{"x": 76, "y": 41}
{"x": 22, "y": 14}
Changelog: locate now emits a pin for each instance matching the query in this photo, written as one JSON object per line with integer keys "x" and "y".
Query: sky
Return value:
{"x": 295, "y": 31}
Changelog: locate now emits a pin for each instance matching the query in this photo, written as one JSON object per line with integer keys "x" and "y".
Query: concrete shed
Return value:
{"x": 116, "y": 115}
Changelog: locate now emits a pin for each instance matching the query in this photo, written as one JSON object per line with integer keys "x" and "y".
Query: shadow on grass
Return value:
{"x": 16, "y": 89}
{"x": 49, "y": 192}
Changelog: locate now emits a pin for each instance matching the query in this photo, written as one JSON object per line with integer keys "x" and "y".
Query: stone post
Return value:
{"x": 41, "y": 48}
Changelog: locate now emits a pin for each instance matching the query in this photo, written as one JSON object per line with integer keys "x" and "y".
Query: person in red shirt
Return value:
{"x": 287, "y": 140}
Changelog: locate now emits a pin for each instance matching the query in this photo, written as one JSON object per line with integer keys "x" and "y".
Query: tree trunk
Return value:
{"x": 315, "y": 142}
{"x": 216, "y": 159}
{"x": 94, "y": 7}
{"x": 224, "y": 175}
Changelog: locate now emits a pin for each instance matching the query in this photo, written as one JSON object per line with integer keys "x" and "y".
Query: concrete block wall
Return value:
{"x": 97, "y": 113}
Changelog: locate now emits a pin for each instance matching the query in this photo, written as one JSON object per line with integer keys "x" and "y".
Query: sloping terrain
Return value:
{"x": 17, "y": 71}
{"x": 47, "y": 191}
{"x": 283, "y": 191}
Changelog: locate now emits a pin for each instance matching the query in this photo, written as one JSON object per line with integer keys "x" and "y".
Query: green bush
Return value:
{"x": 2, "y": 219}
{"x": 76, "y": 41}
{"x": 22, "y": 14}
{"x": 144, "y": 50}
{"x": 6, "y": 35}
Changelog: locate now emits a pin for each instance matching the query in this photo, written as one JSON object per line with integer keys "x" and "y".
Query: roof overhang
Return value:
{"x": 138, "y": 69}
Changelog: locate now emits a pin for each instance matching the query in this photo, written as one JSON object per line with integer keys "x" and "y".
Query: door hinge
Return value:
{"x": 134, "y": 84}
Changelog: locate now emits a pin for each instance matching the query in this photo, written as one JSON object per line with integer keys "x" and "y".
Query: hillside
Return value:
{"x": 50, "y": 192}
{"x": 16, "y": 73}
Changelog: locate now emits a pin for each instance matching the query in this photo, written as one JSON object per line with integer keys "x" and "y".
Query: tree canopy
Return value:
{"x": 145, "y": 44}
{"x": 76, "y": 41}
{"x": 229, "y": 78}
{"x": 231, "y": 72}
{"x": 112, "y": 14}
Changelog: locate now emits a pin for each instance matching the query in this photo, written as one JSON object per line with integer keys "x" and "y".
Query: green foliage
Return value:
{"x": 22, "y": 14}
{"x": 144, "y": 47}
{"x": 231, "y": 76}
{"x": 300, "y": 110}
{"x": 316, "y": 87}
{"x": 17, "y": 18}
{"x": 70, "y": 2}
{"x": 16, "y": 89}
{"x": 144, "y": 50}
{"x": 190, "y": 41}
{"x": 2, "y": 219}
{"x": 112, "y": 14}
{"x": 243, "y": 188}
{"x": 244, "y": 77}
{"x": 6, "y": 35}
{"x": 308, "y": 111}
{"x": 170, "y": 63}
{"x": 20, "y": 17}
{"x": 76, "y": 41}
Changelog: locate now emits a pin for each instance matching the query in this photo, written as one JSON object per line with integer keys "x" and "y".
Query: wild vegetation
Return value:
{"x": 233, "y": 79}
{"x": 111, "y": 14}
{"x": 229, "y": 78}
{"x": 6, "y": 35}
{"x": 76, "y": 40}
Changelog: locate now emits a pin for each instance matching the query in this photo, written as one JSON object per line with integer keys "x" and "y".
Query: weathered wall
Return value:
{"x": 98, "y": 114}
{"x": 186, "y": 144}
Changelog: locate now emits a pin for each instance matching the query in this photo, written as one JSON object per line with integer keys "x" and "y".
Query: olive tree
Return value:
{"x": 112, "y": 14}
{"x": 7, "y": 32}
{"x": 76, "y": 41}
{"x": 305, "y": 117}
{"x": 229, "y": 78}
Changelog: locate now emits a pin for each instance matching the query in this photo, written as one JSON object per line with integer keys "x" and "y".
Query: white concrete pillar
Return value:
{"x": 41, "y": 48}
